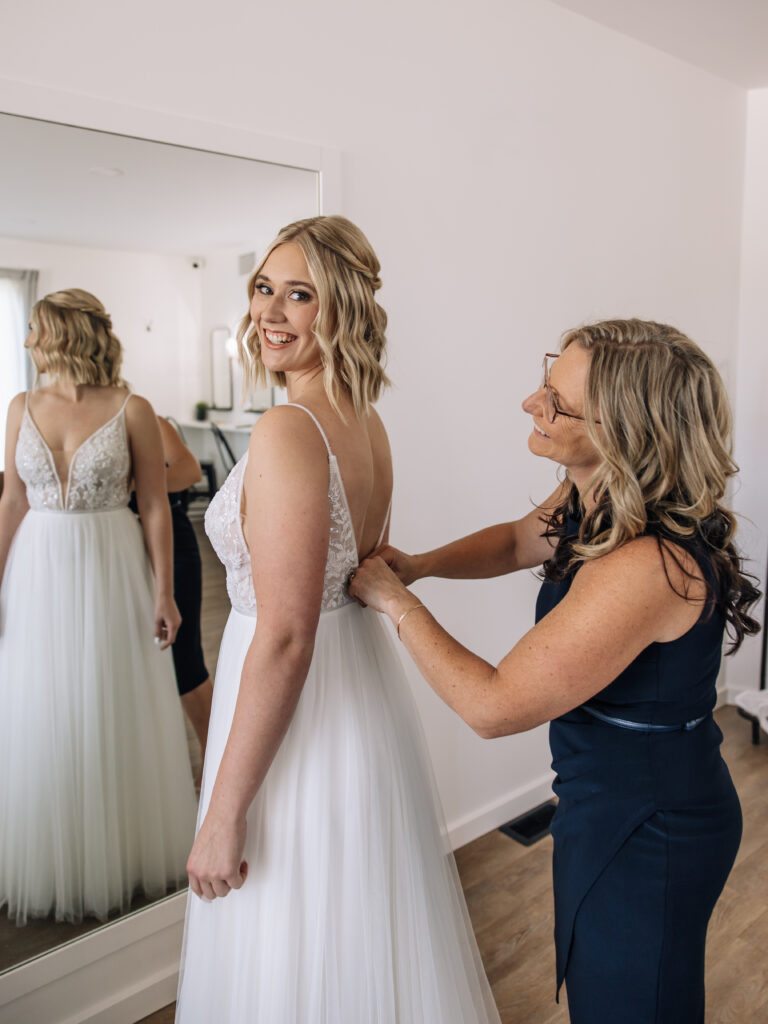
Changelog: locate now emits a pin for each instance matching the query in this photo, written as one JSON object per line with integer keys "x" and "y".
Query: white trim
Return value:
{"x": 128, "y": 969}
{"x": 25, "y": 99}
{"x": 116, "y": 974}
{"x": 516, "y": 802}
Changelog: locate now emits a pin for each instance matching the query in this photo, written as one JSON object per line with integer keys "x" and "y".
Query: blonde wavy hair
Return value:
{"x": 664, "y": 440}
{"x": 350, "y": 325}
{"x": 75, "y": 341}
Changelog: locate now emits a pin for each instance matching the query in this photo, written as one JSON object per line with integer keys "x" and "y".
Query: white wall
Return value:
{"x": 154, "y": 302}
{"x": 224, "y": 303}
{"x": 519, "y": 169}
{"x": 751, "y": 498}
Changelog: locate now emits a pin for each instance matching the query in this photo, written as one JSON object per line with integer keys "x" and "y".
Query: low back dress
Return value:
{"x": 352, "y": 911}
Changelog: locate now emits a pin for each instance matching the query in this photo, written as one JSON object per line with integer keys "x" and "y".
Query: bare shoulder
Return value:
{"x": 15, "y": 414}
{"x": 138, "y": 408}
{"x": 286, "y": 428}
{"x": 16, "y": 406}
{"x": 287, "y": 468}
{"x": 286, "y": 445}
{"x": 646, "y": 558}
{"x": 637, "y": 560}
{"x": 659, "y": 581}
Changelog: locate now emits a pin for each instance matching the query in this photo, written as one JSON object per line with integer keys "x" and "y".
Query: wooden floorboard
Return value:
{"x": 509, "y": 895}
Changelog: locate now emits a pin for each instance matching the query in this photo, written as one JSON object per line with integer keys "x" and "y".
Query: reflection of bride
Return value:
{"x": 96, "y": 794}
{"x": 317, "y": 804}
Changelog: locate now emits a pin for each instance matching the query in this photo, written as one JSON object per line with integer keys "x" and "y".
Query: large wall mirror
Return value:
{"x": 166, "y": 236}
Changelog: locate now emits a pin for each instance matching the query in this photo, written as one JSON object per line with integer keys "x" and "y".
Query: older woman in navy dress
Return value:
{"x": 641, "y": 579}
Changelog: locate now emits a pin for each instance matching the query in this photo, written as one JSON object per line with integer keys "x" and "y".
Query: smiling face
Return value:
{"x": 283, "y": 308}
{"x": 565, "y": 441}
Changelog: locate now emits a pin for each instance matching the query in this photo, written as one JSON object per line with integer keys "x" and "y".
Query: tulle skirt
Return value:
{"x": 96, "y": 795}
{"x": 352, "y": 911}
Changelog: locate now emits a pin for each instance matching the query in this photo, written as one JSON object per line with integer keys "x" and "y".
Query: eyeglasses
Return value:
{"x": 551, "y": 410}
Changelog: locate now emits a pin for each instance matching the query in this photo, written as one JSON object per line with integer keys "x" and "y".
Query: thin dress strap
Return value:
{"x": 317, "y": 424}
{"x": 386, "y": 524}
{"x": 332, "y": 456}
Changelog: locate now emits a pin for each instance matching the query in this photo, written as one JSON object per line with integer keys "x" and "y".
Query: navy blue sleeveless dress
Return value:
{"x": 646, "y": 831}
{"x": 187, "y": 648}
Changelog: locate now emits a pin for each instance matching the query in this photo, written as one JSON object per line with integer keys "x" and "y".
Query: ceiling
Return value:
{"x": 80, "y": 187}
{"x": 728, "y": 38}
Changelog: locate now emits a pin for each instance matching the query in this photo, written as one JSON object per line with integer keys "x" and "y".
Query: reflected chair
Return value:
{"x": 226, "y": 454}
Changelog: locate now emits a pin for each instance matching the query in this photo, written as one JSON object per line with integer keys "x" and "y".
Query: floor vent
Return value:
{"x": 531, "y": 826}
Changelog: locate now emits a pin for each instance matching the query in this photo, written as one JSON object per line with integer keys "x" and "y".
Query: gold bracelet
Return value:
{"x": 413, "y": 608}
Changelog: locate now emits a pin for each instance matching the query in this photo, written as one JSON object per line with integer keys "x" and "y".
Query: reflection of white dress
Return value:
{"x": 96, "y": 793}
{"x": 352, "y": 912}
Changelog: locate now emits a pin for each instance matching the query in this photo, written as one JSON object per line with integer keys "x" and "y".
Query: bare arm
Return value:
{"x": 617, "y": 605}
{"x": 181, "y": 467}
{"x": 152, "y": 498}
{"x": 495, "y": 551}
{"x": 287, "y": 528}
{"x": 13, "y": 503}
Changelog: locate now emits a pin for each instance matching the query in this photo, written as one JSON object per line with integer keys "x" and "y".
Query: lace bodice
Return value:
{"x": 224, "y": 528}
{"x": 98, "y": 473}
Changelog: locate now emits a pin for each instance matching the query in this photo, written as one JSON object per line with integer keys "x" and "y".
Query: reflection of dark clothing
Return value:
{"x": 188, "y": 593}
{"x": 188, "y": 660}
{"x": 645, "y": 834}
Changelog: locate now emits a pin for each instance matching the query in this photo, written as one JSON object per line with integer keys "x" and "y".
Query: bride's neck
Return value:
{"x": 304, "y": 384}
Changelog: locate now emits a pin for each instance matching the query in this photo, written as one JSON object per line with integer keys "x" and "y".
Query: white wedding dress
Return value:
{"x": 97, "y": 800}
{"x": 352, "y": 911}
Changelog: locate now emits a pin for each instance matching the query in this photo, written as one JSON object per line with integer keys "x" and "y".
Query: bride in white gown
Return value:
{"x": 96, "y": 793}
{"x": 317, "y": 804}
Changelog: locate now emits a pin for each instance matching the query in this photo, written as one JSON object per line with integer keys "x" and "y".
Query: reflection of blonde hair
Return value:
{"x": 350, "y": 324}
{"x": 665, "y": 448}
{"x": 75, "y": 340}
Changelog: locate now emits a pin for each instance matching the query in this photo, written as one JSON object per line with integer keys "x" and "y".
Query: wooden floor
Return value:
{"x": 509, "y": 895}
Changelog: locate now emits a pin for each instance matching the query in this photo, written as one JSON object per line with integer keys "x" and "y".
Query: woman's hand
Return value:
{"x": 404, "y": 566}
{"x": 167, "y": 621}
{"x": 215, "y": 865}
{"x": 376, "y": 585}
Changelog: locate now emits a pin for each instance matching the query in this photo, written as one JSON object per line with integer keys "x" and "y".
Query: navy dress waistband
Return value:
{"x": 626, "y": 723}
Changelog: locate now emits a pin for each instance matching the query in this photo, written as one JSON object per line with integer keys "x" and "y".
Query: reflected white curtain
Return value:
{"x": 17, "y": 295}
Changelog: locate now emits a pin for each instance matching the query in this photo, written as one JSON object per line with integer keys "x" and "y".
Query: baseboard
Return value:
{"x": 114, "y": 975}
{"x": 489, "y": 817}
{"x": 149, "y": 995}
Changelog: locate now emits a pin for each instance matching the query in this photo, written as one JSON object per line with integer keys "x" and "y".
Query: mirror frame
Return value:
{"x": 125, "y": 970}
